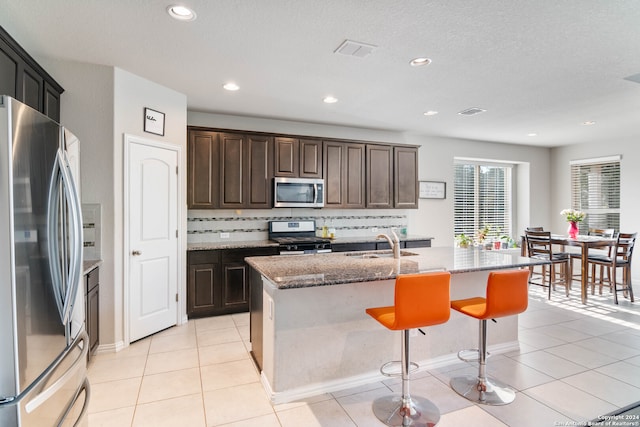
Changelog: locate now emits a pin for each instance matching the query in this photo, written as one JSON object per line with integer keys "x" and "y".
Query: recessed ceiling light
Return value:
{"x": 330, "y": 100}
{"x": 231, "y": 86}
{"x": 430, "y": 113}
{"x": 181, "y": 13}
{"x": 589, "y": 123}
{"x": 532, "y": 134}
{"x": 471, "y": 111}
{"x": 417, "y": 62}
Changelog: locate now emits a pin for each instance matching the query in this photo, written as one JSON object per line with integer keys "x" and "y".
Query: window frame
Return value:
{"x": 599, "y": 216}
{"x": 509, "y": 202}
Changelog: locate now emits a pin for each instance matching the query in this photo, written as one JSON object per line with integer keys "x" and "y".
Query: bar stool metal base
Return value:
{"x": 495, "y": 392}
{"x": 389, "y": 410}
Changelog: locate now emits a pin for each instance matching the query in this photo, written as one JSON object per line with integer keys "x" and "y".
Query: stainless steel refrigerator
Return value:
{"x": 43, "y": 344}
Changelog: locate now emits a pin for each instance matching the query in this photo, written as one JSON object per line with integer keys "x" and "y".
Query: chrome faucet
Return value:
{"x": 394, "y": 243}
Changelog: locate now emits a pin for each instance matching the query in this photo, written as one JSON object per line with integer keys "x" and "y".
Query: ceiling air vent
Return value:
{"x": 358, "y": 49}
{"x": 471, "y": 111}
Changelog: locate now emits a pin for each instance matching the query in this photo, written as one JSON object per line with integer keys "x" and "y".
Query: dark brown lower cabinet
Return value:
{"x": 379, "y": 245}
{"x": 92, "y": 298}
{"x": 425, "y": 243}
{"x": 353, "y": 247}
{"x": 218, "y": 282}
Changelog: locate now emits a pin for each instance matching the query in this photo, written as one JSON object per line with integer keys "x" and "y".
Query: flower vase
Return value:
{"x": 573, "y": 229}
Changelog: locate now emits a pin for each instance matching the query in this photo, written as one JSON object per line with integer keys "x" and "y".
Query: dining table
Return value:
{"x": 584, "y": 243}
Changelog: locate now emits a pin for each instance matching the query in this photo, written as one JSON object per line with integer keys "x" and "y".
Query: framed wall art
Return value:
{"x": 153, "y": 121}
{"x": 433, "y": 190}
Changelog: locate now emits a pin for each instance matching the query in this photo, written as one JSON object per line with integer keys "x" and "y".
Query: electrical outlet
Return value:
{"x": 224, "y": 235}
{"x": 374, "y": 229}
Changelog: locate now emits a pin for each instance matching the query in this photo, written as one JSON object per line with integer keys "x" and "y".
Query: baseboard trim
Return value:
{"x": 366, "y": 378}
{"x": 110, "y": 348}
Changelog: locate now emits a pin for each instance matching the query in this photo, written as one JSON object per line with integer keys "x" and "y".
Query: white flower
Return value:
{"x": 573, "y": 215}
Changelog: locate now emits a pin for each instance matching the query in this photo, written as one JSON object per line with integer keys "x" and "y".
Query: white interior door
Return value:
{"x": 153, "y": 241}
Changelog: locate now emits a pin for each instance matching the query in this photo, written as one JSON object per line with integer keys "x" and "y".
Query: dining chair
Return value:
{"x": 620, "y": 257}
{"x": 532, "y": 271}
{"x": 598, "y": 232}
{"x": 539, "y": 246}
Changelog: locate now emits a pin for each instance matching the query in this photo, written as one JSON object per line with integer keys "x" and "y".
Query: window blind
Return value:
{"x": 482, "y": 196}
{"x": 595, "y": 190}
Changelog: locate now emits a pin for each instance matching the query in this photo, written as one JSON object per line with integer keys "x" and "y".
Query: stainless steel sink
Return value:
{"x": 379, "y": 254}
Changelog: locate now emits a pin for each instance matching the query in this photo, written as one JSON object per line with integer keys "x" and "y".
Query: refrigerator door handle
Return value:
{"x": 85, "y": 387}
{"x": 44, "y": 377}
{"x": 55, "y": 255}
{"x": 75, "y": 238}
{"x": 42, "y": 397}
{"x": 62, "y": 190}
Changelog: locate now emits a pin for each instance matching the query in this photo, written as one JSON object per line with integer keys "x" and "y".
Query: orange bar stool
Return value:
{"x": 507, "y": 294}
{"x": 420, "y": 300}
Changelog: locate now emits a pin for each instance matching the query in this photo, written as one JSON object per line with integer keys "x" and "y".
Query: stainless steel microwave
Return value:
{"x": 298, "y": 193}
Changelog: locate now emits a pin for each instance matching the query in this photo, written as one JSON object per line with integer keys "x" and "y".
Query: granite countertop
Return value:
{"x": 90, "y": 264}
{"x": 269, "y": 243}
{"x": 300, "y": 271}
{"x": 231, "y": 245}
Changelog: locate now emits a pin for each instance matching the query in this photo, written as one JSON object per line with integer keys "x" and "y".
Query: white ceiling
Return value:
{"x": 540, "y": 67}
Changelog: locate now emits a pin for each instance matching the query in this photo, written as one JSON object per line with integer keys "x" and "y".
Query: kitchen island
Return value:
{"x": 310, "y": 333}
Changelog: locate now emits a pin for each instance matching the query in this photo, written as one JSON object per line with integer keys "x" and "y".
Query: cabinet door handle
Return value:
{"x": 136, "y": 253}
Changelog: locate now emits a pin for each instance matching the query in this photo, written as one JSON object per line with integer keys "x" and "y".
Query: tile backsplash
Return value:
{"x": 210, "y": 226}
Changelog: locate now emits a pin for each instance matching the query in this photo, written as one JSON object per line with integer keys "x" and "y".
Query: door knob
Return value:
{"x": 136, "y": 253}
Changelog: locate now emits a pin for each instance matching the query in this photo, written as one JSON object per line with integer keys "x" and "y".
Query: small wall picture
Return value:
{"x": 153, "y": 121}
{"x": 433, "y": 190}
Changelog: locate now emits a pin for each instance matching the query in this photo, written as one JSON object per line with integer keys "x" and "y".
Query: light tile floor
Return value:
{"x": 575, "y": 363}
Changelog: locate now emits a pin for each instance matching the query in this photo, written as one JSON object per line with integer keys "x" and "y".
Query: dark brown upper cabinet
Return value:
{"x": 259, "y": 165}
{"x": 246, "y": 169}
{"x": 298, "y": 158}
{"x": 202, "y": 171}
{"x": 229, "y": 170}
{"x": 344, "y": 171}
{"x": 379, "y": 176}
{"x": 22, "y": 78}
{"x": 286, "y": 156}
{"x": 232, "y": 164}
{"x": 405, "y": 177}
{"x": 235, "y": 170}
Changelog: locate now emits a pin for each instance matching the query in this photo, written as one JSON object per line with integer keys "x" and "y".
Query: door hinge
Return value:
{"x": 176, "y": 297}
{"x": 177, "y": 171}
{"x": 176, "y": 233}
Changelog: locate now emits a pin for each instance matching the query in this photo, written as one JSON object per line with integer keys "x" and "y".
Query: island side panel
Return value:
{"x": 255, "y": 316}
{"x": 319, "y": 339}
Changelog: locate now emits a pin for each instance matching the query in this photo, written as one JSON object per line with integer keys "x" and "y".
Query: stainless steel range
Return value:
{"x": 298, "y": 237}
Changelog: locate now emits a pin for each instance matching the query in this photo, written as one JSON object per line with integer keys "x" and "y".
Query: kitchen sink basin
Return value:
{"x": 379, "y": 254}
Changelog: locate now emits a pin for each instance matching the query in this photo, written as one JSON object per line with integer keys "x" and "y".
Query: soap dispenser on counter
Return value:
{"x": 331, "y": 230}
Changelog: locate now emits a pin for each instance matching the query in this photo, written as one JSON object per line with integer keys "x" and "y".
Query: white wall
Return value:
{"x": 131, "y": 95}
{"x": 433, "y": 217}
{"x": 87, "y": 110}
{"x": 629, "y": 180}
{"x": 436, "y": 163}
{"x": 100, "y": 104}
